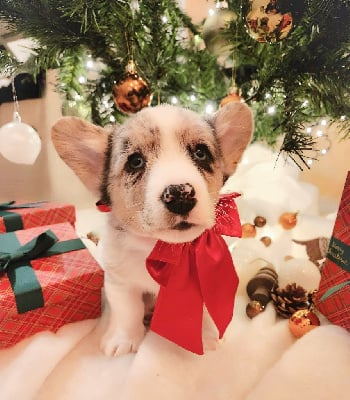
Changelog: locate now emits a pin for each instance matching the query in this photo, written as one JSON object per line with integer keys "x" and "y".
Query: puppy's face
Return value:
{"x": 164, "y": 174}
{"x": 162, "y": 170}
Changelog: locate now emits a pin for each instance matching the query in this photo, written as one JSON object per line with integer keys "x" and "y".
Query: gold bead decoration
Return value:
{"x": 266, "y": 240}
{"x": 259, "y": 221}
{"x": 288, "y": 220}
{"x": 248, "y": 230}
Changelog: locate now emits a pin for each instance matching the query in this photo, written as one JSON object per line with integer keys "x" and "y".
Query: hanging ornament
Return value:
{"x": 131, "y": 93}
{"x": 212, "y": 32}
{"x": 302, "y": 322}
{"x": 19, "y": 142}
{"x": 232, "y": 97}
{"x": 268, "y": 21}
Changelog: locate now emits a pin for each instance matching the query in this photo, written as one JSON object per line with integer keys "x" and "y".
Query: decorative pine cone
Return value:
{"x": 289, "y": 299}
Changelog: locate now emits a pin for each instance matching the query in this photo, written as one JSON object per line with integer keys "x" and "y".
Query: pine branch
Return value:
{"x": 304, "y": 76}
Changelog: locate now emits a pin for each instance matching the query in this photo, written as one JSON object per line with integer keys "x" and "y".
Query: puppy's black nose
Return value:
{"x": 179, "y": 199}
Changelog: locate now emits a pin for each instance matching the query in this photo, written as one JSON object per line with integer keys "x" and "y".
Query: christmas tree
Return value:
{"x": 289, "y": 77}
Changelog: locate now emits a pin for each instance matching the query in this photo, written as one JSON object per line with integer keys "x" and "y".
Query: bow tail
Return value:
{"x": 179, "y": 309}
{"x": 218, "y": 284}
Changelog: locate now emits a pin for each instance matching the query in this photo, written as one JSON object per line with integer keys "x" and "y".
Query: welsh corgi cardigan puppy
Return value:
{"x": 160, "y": 172}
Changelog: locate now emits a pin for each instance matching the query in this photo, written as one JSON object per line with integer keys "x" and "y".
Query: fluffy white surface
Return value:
{"x": 258, "y": 359}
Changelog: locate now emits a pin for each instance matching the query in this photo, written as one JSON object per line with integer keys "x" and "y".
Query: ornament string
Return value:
{"x": 16, "y": 115}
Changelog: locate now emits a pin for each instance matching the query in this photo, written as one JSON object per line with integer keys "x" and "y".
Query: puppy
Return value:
{"x": 160, "y": 172}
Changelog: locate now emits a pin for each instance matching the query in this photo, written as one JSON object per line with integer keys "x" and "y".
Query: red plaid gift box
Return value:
{"x": 333, "y": 296}
{"x": 65, "y": 285}
{"x": 19, "y": 215}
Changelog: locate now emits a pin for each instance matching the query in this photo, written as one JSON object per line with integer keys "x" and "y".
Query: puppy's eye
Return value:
{"x": 135, "y": 162}
{"x": 201, "y": 156}
{"x": 201, "y": 152}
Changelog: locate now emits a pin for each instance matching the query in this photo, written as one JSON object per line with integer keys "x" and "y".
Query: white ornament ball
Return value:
{"x": 19, "y": 143}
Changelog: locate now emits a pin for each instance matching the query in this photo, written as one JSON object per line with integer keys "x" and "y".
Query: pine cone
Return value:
{"x": 290, "y": 299}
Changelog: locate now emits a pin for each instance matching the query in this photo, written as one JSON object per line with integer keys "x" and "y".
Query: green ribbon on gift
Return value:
{"x": 13, "y": 221}
{"x": 339, "y": 253}
{"x": 333, "y": 290}
{"x": 15, "y": 261}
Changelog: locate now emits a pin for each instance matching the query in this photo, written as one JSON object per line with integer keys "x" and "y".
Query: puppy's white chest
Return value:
{"x": 123, "y": 256}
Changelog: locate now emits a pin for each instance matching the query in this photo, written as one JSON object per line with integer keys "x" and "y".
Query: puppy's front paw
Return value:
{"x": 118, "y": 342}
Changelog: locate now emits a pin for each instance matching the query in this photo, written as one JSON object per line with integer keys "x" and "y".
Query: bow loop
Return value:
{"x": 162, "y": 260}
{"x": 29, "y": 251}
{"x": 11, "y": 205}
{"x": 7, "y": 205}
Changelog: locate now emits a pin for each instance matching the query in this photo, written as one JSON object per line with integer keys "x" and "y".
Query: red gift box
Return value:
{"x": 69, "y": 284}
{"x": 34, "y": 214}
{"x": 333, "y": 296}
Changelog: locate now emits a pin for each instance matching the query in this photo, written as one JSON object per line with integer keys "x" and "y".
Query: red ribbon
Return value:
{"x": 193, "y": 274}
{"x": 103, "y": 207}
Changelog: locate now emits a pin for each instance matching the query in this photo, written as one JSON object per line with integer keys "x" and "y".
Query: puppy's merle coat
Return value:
{"x": 161, "y": 173}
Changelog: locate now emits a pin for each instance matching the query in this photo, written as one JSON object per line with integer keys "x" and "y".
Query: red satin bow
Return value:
{"x": 193, "y": 274}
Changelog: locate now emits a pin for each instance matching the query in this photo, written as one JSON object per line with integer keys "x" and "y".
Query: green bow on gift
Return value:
{"x": 15, "y": 262}
{"x": 12, "y": 220}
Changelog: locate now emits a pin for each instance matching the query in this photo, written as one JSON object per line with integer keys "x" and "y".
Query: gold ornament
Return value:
{"x": 302, "y": 322}
{"x": 288, "y": 220}
{"x": 266, "y": 21}
{"x": 232, "y": 97}
{"x": 131, "y": 93}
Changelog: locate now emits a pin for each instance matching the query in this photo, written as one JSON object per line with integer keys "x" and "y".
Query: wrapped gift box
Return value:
{"x": 21, "y": 215}
{"x": 53, "y": 286}
{"x": 333, "y": 296}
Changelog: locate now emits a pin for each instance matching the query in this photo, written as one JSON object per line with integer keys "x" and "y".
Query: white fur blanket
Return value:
{"x": 257, "y": 359}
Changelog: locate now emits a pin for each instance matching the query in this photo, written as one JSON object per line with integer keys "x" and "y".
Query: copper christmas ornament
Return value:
{"x": 131, "y": 93}
{"x": 232, "y": 97}
{"x": 302, "y": 322}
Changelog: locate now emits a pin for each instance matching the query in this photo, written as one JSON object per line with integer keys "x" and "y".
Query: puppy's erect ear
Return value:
{"x": 234, "y": 127}
{"x": 83, "y": 147}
